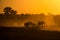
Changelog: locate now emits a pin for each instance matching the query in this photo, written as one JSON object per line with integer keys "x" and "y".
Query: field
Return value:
{"x": 22, "y": 33}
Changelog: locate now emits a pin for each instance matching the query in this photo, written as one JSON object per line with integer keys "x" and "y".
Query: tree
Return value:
{"x": 57, "y": 19}
{"x": 7, "y": 10}
{"x": 41, "y": 17}
{"x": 13, "y": 12}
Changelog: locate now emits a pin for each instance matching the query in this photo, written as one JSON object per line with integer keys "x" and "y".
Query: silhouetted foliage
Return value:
{"x": 22, "y": 14}
{"x": 57, "y": 19}
{"x": 13, "y": 12}
{"x": 8, "y": 10}
{"x": 42, "y": 16}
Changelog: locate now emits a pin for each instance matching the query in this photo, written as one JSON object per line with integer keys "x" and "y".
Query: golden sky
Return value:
{"x": 32, "y": 6}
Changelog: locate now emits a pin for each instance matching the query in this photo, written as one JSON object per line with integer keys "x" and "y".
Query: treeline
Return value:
{"x": 10, "y": 15}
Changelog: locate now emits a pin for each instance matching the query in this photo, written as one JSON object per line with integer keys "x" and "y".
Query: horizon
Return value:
{"x": 33, "y": 13}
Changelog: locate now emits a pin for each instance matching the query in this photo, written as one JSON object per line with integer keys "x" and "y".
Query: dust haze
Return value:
{"x": 51, "y": 21}
{"x": 10, "y": 18}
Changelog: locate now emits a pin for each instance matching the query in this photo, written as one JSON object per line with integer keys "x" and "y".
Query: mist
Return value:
{"x": 19, "y": 20}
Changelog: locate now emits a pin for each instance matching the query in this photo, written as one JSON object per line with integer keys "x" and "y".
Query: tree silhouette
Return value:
{"x": 13, "y": 12}
{"x": 7, "y": 10}
{"x": 56, "y": 19}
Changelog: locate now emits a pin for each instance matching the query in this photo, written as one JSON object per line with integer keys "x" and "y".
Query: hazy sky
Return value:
{"x": 32, "y": 6}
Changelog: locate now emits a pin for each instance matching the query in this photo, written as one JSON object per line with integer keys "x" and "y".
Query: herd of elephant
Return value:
{"x": 40, "y": 24}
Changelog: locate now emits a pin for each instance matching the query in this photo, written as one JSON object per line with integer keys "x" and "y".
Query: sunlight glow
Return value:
{"x": 32, "y": 6}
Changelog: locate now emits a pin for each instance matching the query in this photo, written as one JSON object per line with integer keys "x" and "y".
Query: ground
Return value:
{"x": 22, "y": 33}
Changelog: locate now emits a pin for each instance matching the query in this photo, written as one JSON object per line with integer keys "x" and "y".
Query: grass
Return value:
{"x": 22, "y": 33}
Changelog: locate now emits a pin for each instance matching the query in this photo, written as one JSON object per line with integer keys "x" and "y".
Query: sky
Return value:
{"x": 32, "y": 6}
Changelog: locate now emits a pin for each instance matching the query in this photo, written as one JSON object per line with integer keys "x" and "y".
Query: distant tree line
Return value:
{"x": 39, "y": 17}
{"x": 57, "y": 19}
